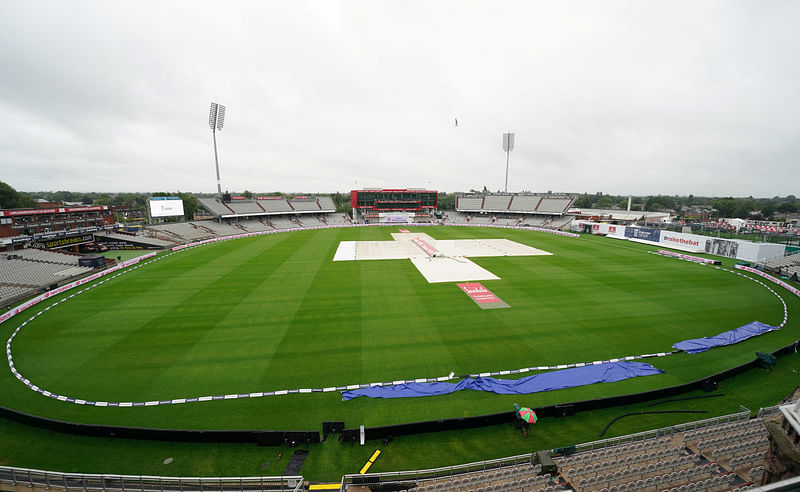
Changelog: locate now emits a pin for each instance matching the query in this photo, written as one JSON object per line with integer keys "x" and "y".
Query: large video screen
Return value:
{"x": 166, "y": 206}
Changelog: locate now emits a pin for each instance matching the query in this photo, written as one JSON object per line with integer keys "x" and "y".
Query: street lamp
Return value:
{"x": 216, "y": 119}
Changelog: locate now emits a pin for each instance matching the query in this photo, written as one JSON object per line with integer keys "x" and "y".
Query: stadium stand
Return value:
{"x": 245, "y": 207}
{"x": 326, "y": 204}
{"x": 305, "y": 205}
{"x": 535, "y": 210}
{"x": 276, "y": 206}
{"x": 215, "y": 206}
{"x": 482, "y": 219}
{"x": 254, "y": 225}
{"x": 184, "y": 230}
{"x": 47, "y": 256}
{"x": 554, "y": 205}
{"x": 467, "y": 203}
{"x": 660, "y": 460}
{"x": 19, "y": 272}
{"x": 525, "y": 202}
{"x": 219, "y": 228}
{"x": 340, "y": 219}
{"x": 157, "y": 242}
{"x": 782, "y": 261}
{"x": 497, "y": 203}
{"x": 282, "y": 223}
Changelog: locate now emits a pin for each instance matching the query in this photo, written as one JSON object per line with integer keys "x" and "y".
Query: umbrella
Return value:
{"x": 527, "y": 415}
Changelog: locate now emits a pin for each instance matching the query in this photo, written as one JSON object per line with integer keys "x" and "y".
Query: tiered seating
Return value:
{"x": 472, "y": 203}
{"x": 20, "y": 272}
{"x": 782, "y": 261}
{"x": 554, "y": 205}
{"x": 254, "y": 225}
{"x": 278, "y": 205}
{"x": 481, "y": 219}
{"x": 337, "y": 219}
{"x": 747, "y": 433}
{"x": 152, "y": 241}
{"x": 245, "y": 207}
{"x": 220, "y": 228}
{"x": 507, "y": 479}
{"x": 453, "y": 217}
{"x": 47, "y": 256}
{"x": 214, "y": 205}
{"x": 755, "y": 473}
{"x": 511, "y": 221}
{"x": 740, "y": 448}
{"x": 185, "y": 230}
{"x": 305, "y": 205}
{"x": 748, "y": 460}
{"x": 282, "y": 223}
{"x": 732, "y": 429}
{"x": 788, "y": 271}
{"x": 525, "y": 203}
{"x": 326, "y": 204}
{"x": 494, "y": 203}
{"x": 10, "y": 293}
{"x": 560, "y": 222}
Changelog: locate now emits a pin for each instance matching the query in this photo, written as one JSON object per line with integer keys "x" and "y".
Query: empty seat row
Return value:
{"x": 641, "y": 472}
{"x": 740, "y": 448}
{"x": 720, "y": 429}
{"x": 616, "y": 450}
{"x": 729, "y": 438}
{"x": 660, "y": 481}
{"x": 748, "y": 459}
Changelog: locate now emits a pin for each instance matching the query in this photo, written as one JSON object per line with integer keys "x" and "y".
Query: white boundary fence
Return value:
{"x": 80, "y": 481}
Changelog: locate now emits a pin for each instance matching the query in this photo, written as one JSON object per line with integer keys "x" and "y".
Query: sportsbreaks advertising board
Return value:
{"x": 63, "y": 242}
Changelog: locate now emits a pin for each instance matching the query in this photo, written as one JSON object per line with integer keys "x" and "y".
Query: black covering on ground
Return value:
{"x": 684, "y": 399}
{"x": 295, "y": 462}
{"x": 648, "y": 413}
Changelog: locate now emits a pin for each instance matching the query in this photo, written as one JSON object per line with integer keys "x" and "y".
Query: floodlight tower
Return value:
{"x": 216, "y": 119}
{"x": 508, "y": 146}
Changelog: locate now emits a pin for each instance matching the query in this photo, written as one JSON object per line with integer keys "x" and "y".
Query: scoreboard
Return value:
{"x": 385, "y": 200}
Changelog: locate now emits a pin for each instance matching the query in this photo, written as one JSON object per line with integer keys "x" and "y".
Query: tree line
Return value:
{"x": 743, "y": 207}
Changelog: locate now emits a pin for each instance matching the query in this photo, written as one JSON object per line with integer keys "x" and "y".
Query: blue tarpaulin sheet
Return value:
{"x": 567, "y": 378}
{"x": 697, "y": 345}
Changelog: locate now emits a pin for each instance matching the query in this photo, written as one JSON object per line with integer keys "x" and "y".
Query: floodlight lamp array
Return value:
{"x": 212, "y": 116}
{"x": 216, "y": 116}
{"x": 220, "y": 116}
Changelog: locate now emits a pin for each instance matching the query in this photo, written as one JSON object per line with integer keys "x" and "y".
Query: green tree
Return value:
{"x": 605, "y": 201}
{"x": 584, "y": 201}
{"x": 447, "y": 201}
{"x": 725, "y": 206}
{"x": 11, "y": 198}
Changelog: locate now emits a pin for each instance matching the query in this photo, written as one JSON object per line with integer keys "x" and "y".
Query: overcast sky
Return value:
{"x": 638, "y": 97}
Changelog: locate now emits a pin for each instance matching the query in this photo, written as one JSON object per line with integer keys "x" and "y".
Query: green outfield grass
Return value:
{"x": 274, "y": 312}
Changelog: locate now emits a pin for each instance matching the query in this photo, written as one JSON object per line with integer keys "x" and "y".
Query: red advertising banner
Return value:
{"x": 482, "y": 296}
{"x": 427, "y": 248}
